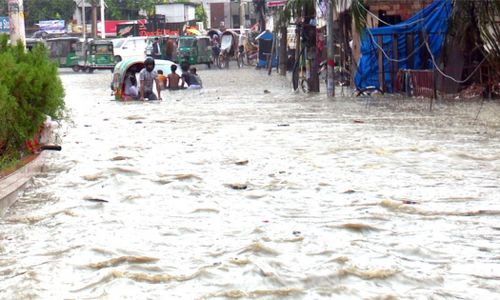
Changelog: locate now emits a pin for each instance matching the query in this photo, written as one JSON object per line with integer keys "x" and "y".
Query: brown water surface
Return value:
{"x": 233, "y": 192}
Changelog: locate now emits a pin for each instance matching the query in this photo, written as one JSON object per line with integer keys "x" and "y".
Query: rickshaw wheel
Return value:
{"x": 222, "y": 63}
{"x": 90, "y": 70}
{"x": 76, "y": 68}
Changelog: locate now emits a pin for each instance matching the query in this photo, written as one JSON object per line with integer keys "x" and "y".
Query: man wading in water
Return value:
{"x": 147, "y": 77}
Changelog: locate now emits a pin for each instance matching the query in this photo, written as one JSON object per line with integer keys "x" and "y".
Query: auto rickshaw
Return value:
{"x": 33, "y": 42}
{"x": 65, "y": 51}
{"x": 194, "y": 50}
{"x": 99, "y": 56}
{"x": 133, "y": 66}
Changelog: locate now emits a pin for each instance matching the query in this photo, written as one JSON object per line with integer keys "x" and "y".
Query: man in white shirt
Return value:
{"x": 148, "y": 76}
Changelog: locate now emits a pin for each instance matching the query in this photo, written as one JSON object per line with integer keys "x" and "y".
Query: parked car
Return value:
{"x": 130, "y": 47}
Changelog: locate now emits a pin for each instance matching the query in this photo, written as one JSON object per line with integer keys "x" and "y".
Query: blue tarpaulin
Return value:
{"x": 432, "y": 22}
{"x": 265, "y": 40}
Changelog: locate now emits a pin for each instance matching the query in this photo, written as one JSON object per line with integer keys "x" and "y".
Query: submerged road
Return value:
{"x": 247, "y": 190}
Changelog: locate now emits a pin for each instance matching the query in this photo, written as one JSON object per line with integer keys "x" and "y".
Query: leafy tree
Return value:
{"x": 129, "y": 9}
{"x": 37, "y": 10}
{"x": 260, "y": 9}
{"x": 30, "y": 90}
{"x": 3, "y": 8}
{"x": 201, "y": 15}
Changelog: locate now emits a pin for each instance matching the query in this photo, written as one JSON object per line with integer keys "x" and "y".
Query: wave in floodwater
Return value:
{"x": 246, "y": 190}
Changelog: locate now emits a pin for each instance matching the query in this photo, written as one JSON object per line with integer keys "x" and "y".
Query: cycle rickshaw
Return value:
{"x": 229, "y": 49}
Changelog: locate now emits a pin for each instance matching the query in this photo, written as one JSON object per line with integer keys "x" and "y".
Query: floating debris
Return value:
{"x": 95, "y": 199}
{"x": 119, "y": 157}
{"x": 237, "y": 186}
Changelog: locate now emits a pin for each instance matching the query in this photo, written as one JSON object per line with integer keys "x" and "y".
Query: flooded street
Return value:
{"x": 247, "y": 190}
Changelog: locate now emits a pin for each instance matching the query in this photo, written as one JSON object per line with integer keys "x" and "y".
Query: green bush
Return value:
{"x": 30, "y": 89}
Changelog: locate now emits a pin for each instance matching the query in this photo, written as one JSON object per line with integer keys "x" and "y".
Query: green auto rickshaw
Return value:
{"x": 194, "y": 50}
{"x": 65, "y": 51}
{"x": 99, "y": 56}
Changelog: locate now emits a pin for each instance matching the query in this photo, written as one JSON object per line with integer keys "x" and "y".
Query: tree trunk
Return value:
{"x": 312, "y": 56}
{"x": 94, "y": 19}
{"x": 262, "y": 16}
{"x": 270, "y": 59}
{"x": 283, "y": 51}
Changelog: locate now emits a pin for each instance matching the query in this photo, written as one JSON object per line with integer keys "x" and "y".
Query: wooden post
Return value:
{"x": 395, "y": 64}
{"x": 381, "y": 71}
{"x": 409, "y": 49}
{"x": 283, "y": 51}
{"x": 270, "y": 59}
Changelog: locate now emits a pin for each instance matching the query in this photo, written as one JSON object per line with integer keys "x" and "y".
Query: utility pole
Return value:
{"x": 84, "y": 25}
{"x": 103, "y": 27}
{"x": 242, "y": 15}
{"x": 94, "y": 19}
{"x": 16, "y": 20}
{"x": 330, "y": 83}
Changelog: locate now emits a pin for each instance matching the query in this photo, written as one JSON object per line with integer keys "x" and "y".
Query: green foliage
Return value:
{"x": 358, "y": 15}
{"x": 37, "y": 10}
{"x": 129, "y": 9}
{"x": 474, "y": 23}
{"x": 30, "y": 89}
{"x": 201, "y": 15}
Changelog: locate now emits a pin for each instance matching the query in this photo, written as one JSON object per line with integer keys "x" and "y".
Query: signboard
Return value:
{"x": 4, "y": 25}
{"x": 148, "y": 28}
{"x": 277, "y": 3}
{"x": 52, "y": 26}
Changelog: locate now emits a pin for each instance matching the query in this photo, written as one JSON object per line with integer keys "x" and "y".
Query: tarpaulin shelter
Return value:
{"x": 265, "y": 42}
{"x": 406, "y": 45}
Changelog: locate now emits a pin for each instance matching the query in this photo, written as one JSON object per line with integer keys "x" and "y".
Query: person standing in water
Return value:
{"x": 173, "y": 79}
{"x": 148, "y": 77}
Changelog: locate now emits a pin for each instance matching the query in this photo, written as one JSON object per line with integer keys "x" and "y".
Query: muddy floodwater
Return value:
{"x": 247, "y": 190}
